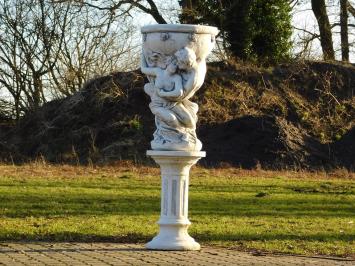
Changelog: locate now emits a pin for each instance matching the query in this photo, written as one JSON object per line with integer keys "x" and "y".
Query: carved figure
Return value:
{"x": 175, "y": 65}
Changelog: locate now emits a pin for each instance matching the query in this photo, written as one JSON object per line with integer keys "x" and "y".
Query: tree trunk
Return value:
{"x": 37, "y": 91}
{"x": 344, "y": 30}
{"x": 187, "y": 15}
{"x": 320, "y": 12}
{"x": 186, "y": 4}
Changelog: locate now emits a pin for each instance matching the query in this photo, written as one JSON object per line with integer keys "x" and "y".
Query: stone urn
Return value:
{"x": 174, "y": 60}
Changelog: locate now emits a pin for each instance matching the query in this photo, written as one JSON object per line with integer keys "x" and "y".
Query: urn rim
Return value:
{"x": 184, "y": 28}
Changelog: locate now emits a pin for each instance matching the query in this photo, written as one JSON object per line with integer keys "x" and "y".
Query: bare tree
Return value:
{"x": 320, "y": 12}
{"x": 341, "y": 35}
{"x": 50, "y": 49}
{"x": 31, "y": 37}
{"x": 95, "y": 44}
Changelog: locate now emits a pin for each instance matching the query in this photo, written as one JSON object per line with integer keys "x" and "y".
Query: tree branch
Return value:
{"x": 153, "y": 10}
{"x": 351, "y": 9}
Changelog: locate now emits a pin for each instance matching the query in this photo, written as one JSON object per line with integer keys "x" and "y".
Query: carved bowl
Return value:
{"x": 166, "y": 39}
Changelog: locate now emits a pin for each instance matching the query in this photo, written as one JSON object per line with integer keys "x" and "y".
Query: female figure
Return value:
{"x": 167, "y": 85}
{"x": 170, "y": 90}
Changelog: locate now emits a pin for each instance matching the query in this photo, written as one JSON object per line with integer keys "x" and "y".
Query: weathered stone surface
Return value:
{"x": 174, "y": 60}
{"x": 175, "y": 167}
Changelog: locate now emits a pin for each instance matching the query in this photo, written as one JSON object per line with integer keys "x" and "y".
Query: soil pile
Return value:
{"x": 291, "y": 116}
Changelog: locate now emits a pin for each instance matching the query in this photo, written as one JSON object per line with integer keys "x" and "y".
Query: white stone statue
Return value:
{"x": 174, "y": 60}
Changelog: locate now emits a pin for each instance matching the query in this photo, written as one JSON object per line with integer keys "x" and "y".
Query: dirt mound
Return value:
{"x": 343, "y": 151}
{"x": 103, "y": 121}
{"x": 291, "y": 116}
{"x": 267, "y": 142}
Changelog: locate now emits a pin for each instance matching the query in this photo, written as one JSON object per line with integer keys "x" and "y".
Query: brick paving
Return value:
{"x": 99, "y": 254}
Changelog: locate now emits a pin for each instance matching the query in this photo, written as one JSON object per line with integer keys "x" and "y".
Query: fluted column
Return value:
{"x": 175, "y": 167}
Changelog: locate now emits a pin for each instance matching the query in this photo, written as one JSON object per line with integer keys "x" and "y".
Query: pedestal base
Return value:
{"x": 175, "y": 167}
{"x": 173, "y": 237}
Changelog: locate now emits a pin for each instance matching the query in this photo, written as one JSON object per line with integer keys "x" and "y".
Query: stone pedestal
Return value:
{"x": 174, "y": 61}
{"x": 175, "y": 167}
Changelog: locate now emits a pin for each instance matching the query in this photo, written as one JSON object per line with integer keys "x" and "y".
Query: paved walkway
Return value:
{"x": 98, "y": 254}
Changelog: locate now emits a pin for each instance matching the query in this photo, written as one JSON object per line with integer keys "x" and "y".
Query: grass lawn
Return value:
{"x": 300, "y": 213}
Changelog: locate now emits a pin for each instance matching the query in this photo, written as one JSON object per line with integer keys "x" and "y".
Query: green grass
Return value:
{"x": 263, "y": 211}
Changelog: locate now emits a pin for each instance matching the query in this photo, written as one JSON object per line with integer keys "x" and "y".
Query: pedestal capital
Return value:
{"x": 176, "y": 157}
{"x": 179, "y": 154}
{"x": 176, "y": 162}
